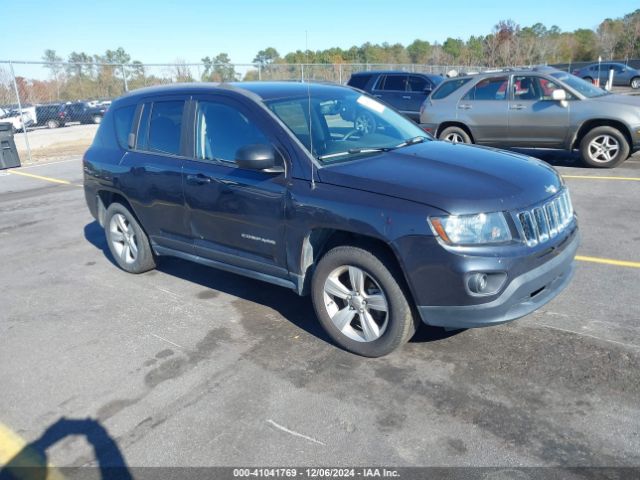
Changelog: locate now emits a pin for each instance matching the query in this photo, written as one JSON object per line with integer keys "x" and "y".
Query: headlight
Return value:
{"x": 483, "y": 228}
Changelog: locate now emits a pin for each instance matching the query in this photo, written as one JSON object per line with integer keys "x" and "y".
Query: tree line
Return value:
{"x": 84, "y": 76}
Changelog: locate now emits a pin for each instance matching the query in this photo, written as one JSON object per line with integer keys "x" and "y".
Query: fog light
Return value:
{"x": 485, "y": 283}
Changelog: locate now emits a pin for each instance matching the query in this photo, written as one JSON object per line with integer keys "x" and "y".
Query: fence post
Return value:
{"x": 302, "y": 72}
{"x": 259, "y": 71}
{"x": 24, "y": 127}
{"x": 124, "y": 77}
{"x": 340, "y": 74}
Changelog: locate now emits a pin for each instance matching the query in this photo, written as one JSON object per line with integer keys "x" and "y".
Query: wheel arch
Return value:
{"x": 458, "y": 124}
{"x": 589, "y": 125}
{"x": 105, "y": 197}
{"x": 320, "y": 240}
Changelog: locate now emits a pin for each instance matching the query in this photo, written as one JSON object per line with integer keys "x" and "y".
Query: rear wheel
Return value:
{"x": 360, "y": 303}
{"x": 635, "y": 83}
{"x": 52, "y": 124}
{"x": 455, "y": 135}
{"x": 604, "y": 147}
{"x": 97, "y": 119}
{"x": 127, "y": 241}
{"x": 364, "y": 123}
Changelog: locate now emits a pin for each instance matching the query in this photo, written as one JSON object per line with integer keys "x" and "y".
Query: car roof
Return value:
{"x": 508, "y": 71}
{"x": 257, "y": 90}
{"x": 384, "y": 72}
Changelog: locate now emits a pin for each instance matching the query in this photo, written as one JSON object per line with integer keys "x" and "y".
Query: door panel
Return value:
{"x": 391, "y": 89}
{"x": 485, "y": 110}
{"x": 153, "y": 183}
{"x": 535, "y": 119}
{"x": 236, "y": 215}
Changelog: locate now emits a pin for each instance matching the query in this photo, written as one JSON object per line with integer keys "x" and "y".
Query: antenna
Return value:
{"x": 306, "y": 51}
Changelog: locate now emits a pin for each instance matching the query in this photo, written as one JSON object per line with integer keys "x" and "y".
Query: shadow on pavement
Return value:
{"x": 32, "y": 461}
{"x": 298, "y": 310}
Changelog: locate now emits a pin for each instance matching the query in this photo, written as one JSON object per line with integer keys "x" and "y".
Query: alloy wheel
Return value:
{"x": 603, "y": 148}
{"x": 454, "y": 138}
{"x": 356, "y": 304}
{"x": 123, "y": 238}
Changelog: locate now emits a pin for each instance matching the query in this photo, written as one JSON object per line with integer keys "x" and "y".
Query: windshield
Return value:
{"x": 345, "y": 124}
{"x": 585, "y": 88}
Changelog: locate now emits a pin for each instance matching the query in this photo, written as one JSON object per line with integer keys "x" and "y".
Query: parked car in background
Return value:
{"x": 16, "y": 119}
{"x": 401, "y": 90}
{"x": 539, "y": 108}
{"x": 382, "y": 228}
{"x": 83, "y": 112}
{"x": 52, "y": 115}
{"x": 623, "y": 75}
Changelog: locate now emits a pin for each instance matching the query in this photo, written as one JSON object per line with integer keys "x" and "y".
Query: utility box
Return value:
{"x": 8, "y": 152}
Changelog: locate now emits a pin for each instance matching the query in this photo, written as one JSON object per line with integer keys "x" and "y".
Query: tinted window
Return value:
{"x": 448, "y": 87}
{"x": 222, "y": 130}
{"x": 123, "y": 118}
{"x": 489, "y": 89}
{"x": 417, "y": 84}
{"x": 359, "y": 81}
{"x": 393, "y": 82}
{"x": 165, "y": 125}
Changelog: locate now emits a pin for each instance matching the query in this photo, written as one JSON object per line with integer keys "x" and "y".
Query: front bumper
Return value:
{"x": 525, "y": 294}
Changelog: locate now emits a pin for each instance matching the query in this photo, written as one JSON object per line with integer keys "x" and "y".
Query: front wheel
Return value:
{"x": 127, "y": 241}
{"x": 635, "y": 83}
{"x": 97, "y": 119}
{"x": 604, "y": 147}
{"x": 52, "y": 124}
{"x": 454, "y": 135}
{"x": 360, "y": 302}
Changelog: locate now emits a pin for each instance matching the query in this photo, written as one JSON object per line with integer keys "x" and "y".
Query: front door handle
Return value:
{"x": 378, "y": 96}
{"x": 465, "y": 106}
{"x": 518, "y": 106}
{"x": 406, "y": 97}
{"x": 199, "y": 179}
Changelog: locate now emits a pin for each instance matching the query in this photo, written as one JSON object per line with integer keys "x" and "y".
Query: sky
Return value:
{"x": 162, "y": 31}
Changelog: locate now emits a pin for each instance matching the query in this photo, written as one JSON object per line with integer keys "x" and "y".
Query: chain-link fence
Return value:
{"x": 39, "y": 98}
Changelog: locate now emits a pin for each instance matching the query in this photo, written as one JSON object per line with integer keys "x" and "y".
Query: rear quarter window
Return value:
{"x": 359, "y": 81}
{"x": 123, "y": 119}
{"x": 447, "y": 88}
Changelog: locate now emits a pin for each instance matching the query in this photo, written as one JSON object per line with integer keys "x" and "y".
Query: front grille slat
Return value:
{"x": 546, "y": 221}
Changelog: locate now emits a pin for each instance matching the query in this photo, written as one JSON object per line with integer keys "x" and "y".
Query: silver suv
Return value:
{"x": 538, "y": 108}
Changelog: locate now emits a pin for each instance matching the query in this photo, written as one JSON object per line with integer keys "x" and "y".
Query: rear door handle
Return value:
{"x": 518, "y": 106}
{"x": 199, "y": 179}
{"x": 465, "y": 106}
{"x": 378, "y": 96}
{"x": 406, "y": 97}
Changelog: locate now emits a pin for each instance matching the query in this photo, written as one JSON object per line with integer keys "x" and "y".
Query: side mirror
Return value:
{"x": 559, "y": 95}
{"x": 257, "y": 157}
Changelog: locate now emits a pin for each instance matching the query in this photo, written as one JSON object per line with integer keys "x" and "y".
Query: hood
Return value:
{"x": 456, "y": 178}
{"x": 633, "y": 100}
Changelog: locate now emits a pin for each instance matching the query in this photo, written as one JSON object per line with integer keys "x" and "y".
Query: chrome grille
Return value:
{"x": 546, "y": 221}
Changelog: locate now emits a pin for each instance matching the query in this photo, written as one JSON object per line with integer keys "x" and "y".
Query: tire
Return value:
{"x": 52, "y": 124}
{"x": 127, "y": 242}
{"x": 635, "y": 83}
{"x": 96, "y": 119}
{"x": 333, "y": 292}
{"x": 455, "y": 135}
{"x": 604, "y": 147}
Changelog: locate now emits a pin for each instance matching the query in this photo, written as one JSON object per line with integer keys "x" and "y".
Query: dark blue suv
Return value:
{"x": 383, "y": 227}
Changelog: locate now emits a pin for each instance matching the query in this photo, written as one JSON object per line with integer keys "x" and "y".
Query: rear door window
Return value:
{"x": 396, "y": 83}
{"x": 164, "y": 127}
{"x": 489, "y": 89}
{"x": 448, "y": 87}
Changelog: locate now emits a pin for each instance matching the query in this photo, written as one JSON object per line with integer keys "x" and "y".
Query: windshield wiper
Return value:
{"x": 352, "y": 151}
{"x": 411, "y": 141}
